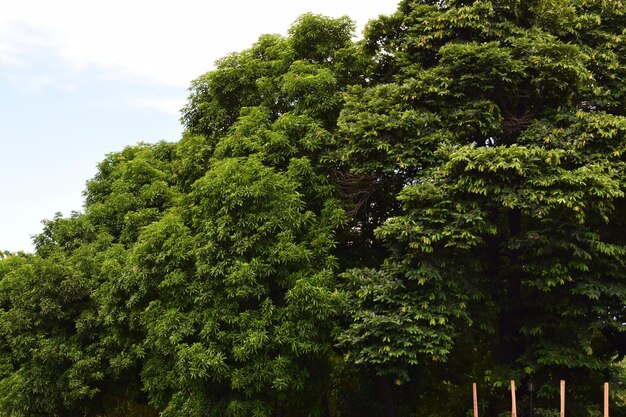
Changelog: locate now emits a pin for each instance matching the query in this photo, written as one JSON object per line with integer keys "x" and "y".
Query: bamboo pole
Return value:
{"x": 606, "y": 399}
{"x": 475, "y": 398}
{"x": 562, "y": 398}
{"x": 513, "y": 403}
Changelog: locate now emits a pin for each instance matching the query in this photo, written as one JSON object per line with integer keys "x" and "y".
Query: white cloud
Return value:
{"x": 159, "y": 41}
{"x": 163, "y": 104}
{"x": 19, "y": 41}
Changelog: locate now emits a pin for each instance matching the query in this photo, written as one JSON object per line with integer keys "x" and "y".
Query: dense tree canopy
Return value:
{"x": 349, "y": 228}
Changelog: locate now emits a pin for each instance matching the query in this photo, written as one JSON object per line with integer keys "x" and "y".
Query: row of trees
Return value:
{"x": 349, "y": 229}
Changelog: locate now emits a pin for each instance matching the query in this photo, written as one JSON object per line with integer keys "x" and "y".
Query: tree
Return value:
{"x": 70, "y": 337}
{"x": 52, "y": 359}
{"x": 500, "y": 125}
{"x": 232, "y": 226}
{"x": 243, "y": 273}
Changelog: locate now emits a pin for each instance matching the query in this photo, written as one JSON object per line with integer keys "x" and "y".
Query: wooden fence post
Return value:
{"x": 513, "y": 403}
{"x": 475, "y": 398}
{"x": 606, "y": 399}
{"x": 562, "y": 398}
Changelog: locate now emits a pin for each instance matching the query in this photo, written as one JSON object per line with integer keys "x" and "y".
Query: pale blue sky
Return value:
{"x": 80, "y": 79}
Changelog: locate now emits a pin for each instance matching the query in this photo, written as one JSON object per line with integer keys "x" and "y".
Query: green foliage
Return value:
{"x": 131, "y": 190}
{"x": 489, "y": 125}
{"x": 241, "y": 286}
{"x": 51, "y": 358}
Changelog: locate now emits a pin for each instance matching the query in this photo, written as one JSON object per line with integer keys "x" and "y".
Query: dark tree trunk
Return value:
{"x": 511, "y": 317}
{"x": 325, "y": 405}
{"x": 384, "y": 393}
{"x": 280, "y": 410}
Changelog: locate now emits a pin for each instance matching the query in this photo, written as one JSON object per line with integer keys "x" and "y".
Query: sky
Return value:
{"x": 80, "y": 79}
